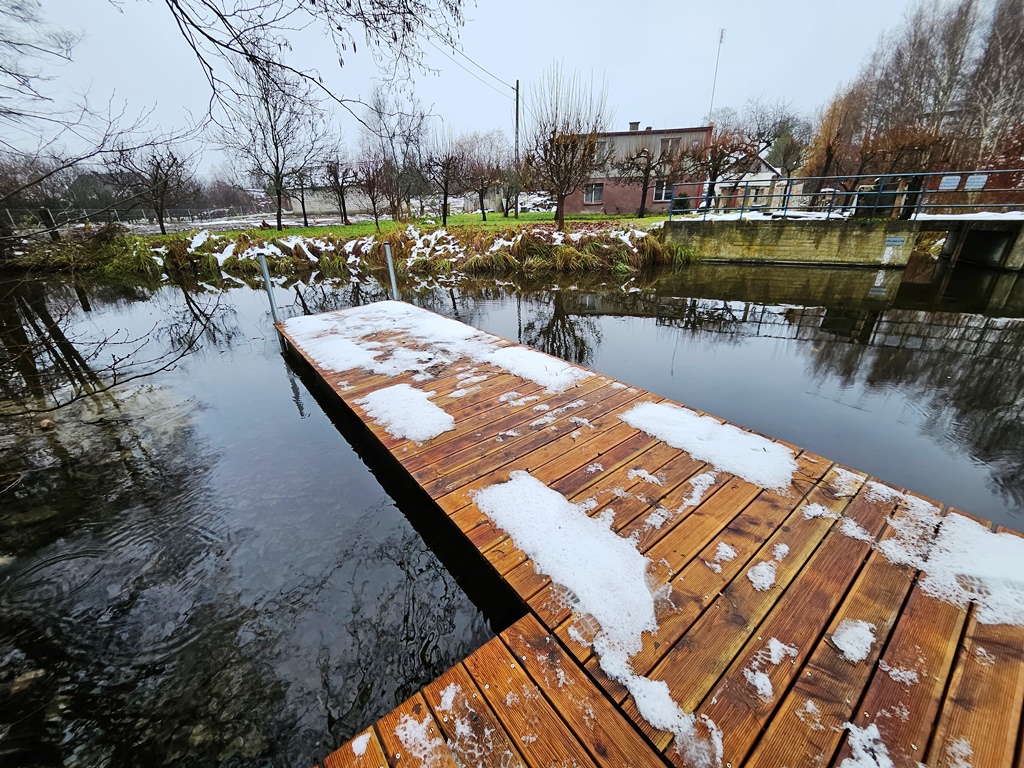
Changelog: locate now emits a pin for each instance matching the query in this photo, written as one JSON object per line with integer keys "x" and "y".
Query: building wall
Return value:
{"x": 625, "y": 198}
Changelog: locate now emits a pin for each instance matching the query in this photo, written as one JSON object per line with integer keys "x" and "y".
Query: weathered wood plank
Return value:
{"x": 538, "y": 732}
{"x": 411, "y": 738}
{"x": 370, "y": 753}
{"x": 597, "y": 723}
{"x": 981, "y": 715}
{"x": 472, "y": 731}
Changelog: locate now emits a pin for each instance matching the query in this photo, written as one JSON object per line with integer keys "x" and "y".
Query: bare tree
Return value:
{"x": 567, "y": 116}
{"x": 641, "y": 165}
{"x": 257, "y": 30}
{"x": 483, "y": 153}
{"x": 445, "y": 168}
{"x": 375, "y": 177}
{"x": 996, "y": 95}
{"x": 276, "y": 129}
{"x": 159, "y": 177}
{"x": 340, "y": 177}
{"x": 396, "y": 129}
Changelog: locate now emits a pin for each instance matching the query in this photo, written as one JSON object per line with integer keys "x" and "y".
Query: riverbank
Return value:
{"x": 609, "y": 245}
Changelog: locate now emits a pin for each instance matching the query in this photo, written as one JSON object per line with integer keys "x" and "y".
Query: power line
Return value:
{"x": 470, "y": 72}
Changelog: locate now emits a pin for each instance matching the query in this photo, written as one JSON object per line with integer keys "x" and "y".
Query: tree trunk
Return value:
{"x": 280, "y": 195}
{"x": 160, "y": 220}
{"x": 560, "y": 213}
{"x": 483, "y": 208}
{"x": 302, "y": 201}
{"x": 643, "y": 198}
{"x": 444, "y": 205}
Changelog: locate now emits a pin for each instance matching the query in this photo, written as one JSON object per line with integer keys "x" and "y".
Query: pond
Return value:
{"x": 208, "y": 572}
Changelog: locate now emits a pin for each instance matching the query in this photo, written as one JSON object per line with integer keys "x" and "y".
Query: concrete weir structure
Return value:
{"x": 848, "y": 242}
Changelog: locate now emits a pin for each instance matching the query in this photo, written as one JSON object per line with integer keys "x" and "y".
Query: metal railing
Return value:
{"x": 900, "y": 196}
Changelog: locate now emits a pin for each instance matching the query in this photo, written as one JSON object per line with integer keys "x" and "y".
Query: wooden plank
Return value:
{"x": 797, "y": 620}
{"x": 538, "y": 732}
{"x": 981, "y": 716}
{"x": 808, "y": 725}
{"x": 924, "y": 642}
{"x": 527, "y": 453}
{"x": 371, "y": 753}
{"x": 702, "y": 579}
{"x": 597, "y": 723}
{"x": 412, "y": 738}
{"x": 472, "y": 731}
{"x": 692, "y": 668}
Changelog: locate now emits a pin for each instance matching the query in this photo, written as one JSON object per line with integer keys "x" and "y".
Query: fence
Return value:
{"x": 22, "y": 219}
{"x": 905, "y": 195}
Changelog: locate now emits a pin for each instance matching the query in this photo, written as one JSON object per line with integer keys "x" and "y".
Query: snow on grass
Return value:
{"x": 198, "y": 240}
{"x": 762, "y": 575}
{"x": 644, "y": 475}
{"x": 754, "y": 458}
{"x": 416, "y": 739}
{"x": 359, "y": 744}
{"x": 867, "y": 747}
{"x": 699, "y": 485}
{"x": 406, "y": 412}
{"x": 607, "y": 579}
{"x": 854, "y": 638}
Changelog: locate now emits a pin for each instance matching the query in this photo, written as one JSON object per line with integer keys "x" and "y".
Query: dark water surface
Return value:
{"x": 210, "y": 574}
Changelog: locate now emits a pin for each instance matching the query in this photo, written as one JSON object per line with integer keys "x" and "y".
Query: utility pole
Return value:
{"x": 517, "y": 145}
{"x": 714, "y": 83}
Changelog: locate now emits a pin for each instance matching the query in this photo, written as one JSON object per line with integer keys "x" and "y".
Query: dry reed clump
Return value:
{"x": 498, "y": 262}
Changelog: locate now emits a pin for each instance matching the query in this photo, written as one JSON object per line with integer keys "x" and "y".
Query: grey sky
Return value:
{"x": 658, "y": 57}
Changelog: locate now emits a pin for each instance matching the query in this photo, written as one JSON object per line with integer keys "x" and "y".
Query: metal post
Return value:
{"x": 391, "y": 271}
{"x": 785, "y": 199}
{"x": 270, "y": 290}
{"x": 743, "y": 202}
{"x": 517, "y": 148}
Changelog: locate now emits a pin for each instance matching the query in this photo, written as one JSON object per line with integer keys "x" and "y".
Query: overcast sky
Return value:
{"x": 658, "y": 57}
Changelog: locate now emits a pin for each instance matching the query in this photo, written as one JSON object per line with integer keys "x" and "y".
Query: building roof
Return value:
{"x": 655, "y": 132}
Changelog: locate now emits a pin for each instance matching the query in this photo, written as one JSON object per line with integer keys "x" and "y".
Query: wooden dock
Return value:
{"x": 769, "y": 664}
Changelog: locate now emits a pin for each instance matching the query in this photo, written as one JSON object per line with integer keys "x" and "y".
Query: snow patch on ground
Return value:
{"x": 699, "y": 485}
{"x": 407, "y": 413}
{"x": 867, "y": 747}
{"x": 359, "y": 744}
{"x": 752, "y": 457}
{"x": 762, "y": 575}
{"x": 854, "y": 638}
{"x": 606, "y": 578}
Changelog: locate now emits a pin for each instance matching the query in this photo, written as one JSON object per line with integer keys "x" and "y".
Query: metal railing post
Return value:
{"x": 270, "y": 291}
{"x": 743, "y": 202}
{"x": 391, "y": 271}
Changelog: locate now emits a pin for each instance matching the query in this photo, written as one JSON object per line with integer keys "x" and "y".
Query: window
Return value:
{"x": 592, "y": 193}
{"x": 601, "y": 147}
{"x": 662, "y": 191}
{"x": 669, "y": 146}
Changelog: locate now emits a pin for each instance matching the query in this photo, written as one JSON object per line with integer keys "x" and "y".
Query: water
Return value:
{"x": 212, "y": 574}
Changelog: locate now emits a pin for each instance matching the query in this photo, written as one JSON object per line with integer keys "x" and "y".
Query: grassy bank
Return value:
{"x": 613, "y": 245}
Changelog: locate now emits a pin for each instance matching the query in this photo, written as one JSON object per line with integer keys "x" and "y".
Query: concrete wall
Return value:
{"x": 851, "y": 243}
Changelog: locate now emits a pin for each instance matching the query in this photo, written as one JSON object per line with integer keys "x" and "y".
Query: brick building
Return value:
{"x": 605, "y": 193}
